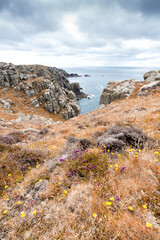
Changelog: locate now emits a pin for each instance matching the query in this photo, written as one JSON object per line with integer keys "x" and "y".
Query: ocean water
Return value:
{"x": 100, "y": 76}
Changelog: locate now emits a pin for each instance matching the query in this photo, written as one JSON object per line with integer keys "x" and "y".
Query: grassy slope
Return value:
{"x": 98, "y": 203}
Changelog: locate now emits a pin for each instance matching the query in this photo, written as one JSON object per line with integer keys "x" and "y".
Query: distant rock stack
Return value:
{"x": 45, "y": 86}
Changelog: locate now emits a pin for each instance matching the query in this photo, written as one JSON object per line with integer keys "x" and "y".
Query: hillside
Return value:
{"x": 94, "y": 176}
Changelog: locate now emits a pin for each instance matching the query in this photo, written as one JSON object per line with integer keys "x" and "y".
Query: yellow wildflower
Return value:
{"x": 156, "y": 160}
{"x": 59, "y": 183}
{"x": 19, "y": 202}
{"x": 144, "y": 206}
{"x": 94, "y": 215}
{"x": 34, "y": 212}
{"x": 118, "y": 233}
{"x": 111, "y": 166}
{"x": 108, "y": 203}
{"x": 65, "y": 192}
{"x": 116, "y": 168}
{"x": 7, "y": 199}
{"x": 6, "y": 187}
{"x": 116, "y": 165}
{"x": 5, "y": 211}
{"x": 130, "y": 208}
{"x": 37, "y": 166}
{"x": 22, "y": 214}
{"x": 40, "y": 180}
{"x": 111, "y": 199}
{"x": 156, "y": 153}
{"x": 9, "y": 175}
{"x": 148, "y": 225}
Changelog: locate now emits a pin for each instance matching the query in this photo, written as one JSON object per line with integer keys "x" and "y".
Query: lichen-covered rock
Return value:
{"x": 148, "y": 88}
{"x": 8, "y": 75}
{"x": 117, "y": 90}
{"x": 152, "y": 76}
{"x": 35, "y": 102}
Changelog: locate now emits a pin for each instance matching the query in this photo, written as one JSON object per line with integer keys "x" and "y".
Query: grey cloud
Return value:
{"x": 37, "y": 25}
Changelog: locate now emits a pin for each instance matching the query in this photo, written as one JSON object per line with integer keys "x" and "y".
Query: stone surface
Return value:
{"x": 117, "y": 90}
{"x": 148, "y": 88}
{"x": 152, "y": 76}
{"x": 8, "y": 75}
{"x": 46, "y": 87}
{"x": 77, "y": 90}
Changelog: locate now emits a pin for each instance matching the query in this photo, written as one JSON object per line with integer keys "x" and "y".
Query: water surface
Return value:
{"x": 100, "y": 76}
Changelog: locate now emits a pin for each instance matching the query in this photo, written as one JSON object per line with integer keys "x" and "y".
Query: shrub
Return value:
{"x": 6, "y": 139}
{"x": 18, "y": 161}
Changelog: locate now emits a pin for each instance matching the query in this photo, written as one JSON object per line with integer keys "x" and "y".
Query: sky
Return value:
{"x": 77, "y": 33}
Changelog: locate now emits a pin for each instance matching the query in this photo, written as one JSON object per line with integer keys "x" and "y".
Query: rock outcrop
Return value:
{"x": 46, "y": 87}
{"x": 146, "y": 89}
{"x": 152, "y": 76}
{"x": 59, "y": 75}
{"x": 8, "y": 75}
{"x": 117, "y": 90}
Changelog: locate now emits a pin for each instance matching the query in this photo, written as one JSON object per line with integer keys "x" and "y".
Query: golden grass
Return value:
{"x": 74, "y": 207}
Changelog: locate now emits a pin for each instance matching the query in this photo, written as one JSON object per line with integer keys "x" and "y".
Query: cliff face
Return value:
{"x": 93, "y": 176}
{"x": 124, "y": 89}
{"x": 46, "y": 87}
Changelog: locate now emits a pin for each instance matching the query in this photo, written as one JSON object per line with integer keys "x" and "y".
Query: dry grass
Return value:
{"x": 69, "y": 200}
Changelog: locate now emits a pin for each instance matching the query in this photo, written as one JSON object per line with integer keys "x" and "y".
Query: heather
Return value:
{"x": 65, "y": 183}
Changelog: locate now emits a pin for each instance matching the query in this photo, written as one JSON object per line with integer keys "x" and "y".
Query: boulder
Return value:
{"x": 35, "y": 102}
{"x": 30, "y": 92}
{"x": 62, "y": 101}
{"x": 75, "y": 107}
{"x": 8, "y": 75}
{"x": 152, "y": 76}
{"x": 71, "y": 95}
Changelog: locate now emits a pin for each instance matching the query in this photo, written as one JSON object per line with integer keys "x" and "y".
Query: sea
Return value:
{"x": 99, "y": 77}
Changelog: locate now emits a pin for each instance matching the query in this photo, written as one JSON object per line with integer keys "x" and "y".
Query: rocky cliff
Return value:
{"x": 91, "y": 177}
{"x": 46, "y": 87}
{"x": 124, "y": 89}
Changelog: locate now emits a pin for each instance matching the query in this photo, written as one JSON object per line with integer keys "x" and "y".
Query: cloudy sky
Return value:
{"x": 71, "y": 33}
